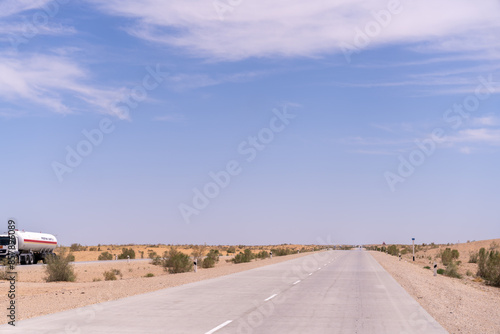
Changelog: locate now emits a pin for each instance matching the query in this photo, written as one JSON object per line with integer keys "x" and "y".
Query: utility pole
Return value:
{"x": 413, "y": 240}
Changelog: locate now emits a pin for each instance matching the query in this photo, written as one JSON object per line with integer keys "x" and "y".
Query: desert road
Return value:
{"x": 325, "y": 292}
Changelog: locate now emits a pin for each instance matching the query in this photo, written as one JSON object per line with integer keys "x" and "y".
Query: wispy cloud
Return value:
{"x": 54, "y": 83}
{"x": 293, "y": 28}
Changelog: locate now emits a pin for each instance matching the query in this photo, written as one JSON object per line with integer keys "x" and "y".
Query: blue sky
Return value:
{"x": 348, "y": 121}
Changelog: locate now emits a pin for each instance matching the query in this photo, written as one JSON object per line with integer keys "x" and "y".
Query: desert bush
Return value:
{"x": 247, "y": 256}
{"x": 427, "y": 267}
{"x": 281, "y": 251}
{"x": 489, "y": 266}
{"x": 59, "y": 269}
{"x": 77, "y": 248}
{"x": 448, "y": 255}
{"x": 469, "y": 273}
{"x": 211, "y": 259}
{"x": 452, "y": 270}
{"x": 71, "y": 257}
{"x": 149, "y": 275}
{"x": 393, "y": 250}
{"x": 265, "y": 254}
{"x": 473, "y": 257}
{"x": 197, "y": 253}
{"x": 176, "y": 262}
{"x": 4, "y": 272}
{"x": 231, "y": 249}
{"x": 105, "y": 256}
{"x": 127, "y": 252}
{"x": 440, "y": 271}
{"x": 109, "y": 276}
{"x": 96, "y": 279}
{"x": 92, "y": 249}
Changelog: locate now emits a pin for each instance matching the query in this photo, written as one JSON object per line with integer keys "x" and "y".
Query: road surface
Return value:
{"x": 326, "y": 292}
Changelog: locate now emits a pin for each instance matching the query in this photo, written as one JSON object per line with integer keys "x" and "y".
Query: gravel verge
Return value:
{"x": 459, "y": 305}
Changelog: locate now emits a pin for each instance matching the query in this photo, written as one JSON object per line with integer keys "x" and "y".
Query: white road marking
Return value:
{"x": 271, "y": 297}
{"x": 296, "y": 282}
{"x": 219, "y": 327}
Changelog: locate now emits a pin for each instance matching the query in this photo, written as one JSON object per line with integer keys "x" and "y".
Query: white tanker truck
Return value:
{"x": 28, "y": 247}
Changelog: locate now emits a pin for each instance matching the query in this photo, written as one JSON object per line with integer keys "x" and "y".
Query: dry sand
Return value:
{"x": 459, "y": 305}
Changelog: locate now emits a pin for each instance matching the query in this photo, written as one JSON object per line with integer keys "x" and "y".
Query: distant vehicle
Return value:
{"x": 29, "y": 247}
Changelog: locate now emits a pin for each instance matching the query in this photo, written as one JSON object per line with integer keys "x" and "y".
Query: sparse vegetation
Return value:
{"x": 149, "y": 275}
{"x": 3, "y": 273}
{"x": 452, "y": 270}
{"x": 111, "y": 274}
{"x": 489, "y": 266}
{"x": 247, "y": 256}
{"x": 427, "y": 267}
{"x": 105, "y": 256}
{"x": 59, "y": 269}
{"x": 77, "y": 248}
{"x": 473, "y": 257}
{"x": 126, "y": 252}
{"x": 440, "y": 271}
{"x": 262, "y": 254}
{"x": 448, "y": 255}
{"x": 231, "y": 250}
{"x": 211, "y": 259}
{"x": 176, "y": 262}
{"x": 393, "y": 250}
{"x": 281, "y": 251}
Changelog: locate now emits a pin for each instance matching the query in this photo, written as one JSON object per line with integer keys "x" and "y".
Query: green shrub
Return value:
{"x": 111, "y": 275}
{"x": 176, "y": 262}
{"x": 440, "y": 271}
{"x": 427, "y": 267}
{"x": 473, "y": 257}
{"x": 247, "y": 256}
{"x": 126, "y": 252}
{"x": 393, "y": 250}
{"x": 281, "y": 251}
{"x": 265, "y": 254}
{"x": 489, "y": 266}
{"x": 59, "y": 269}
{"x": 77, "y": 248}
{"x": 211, "y": 259}
{"x": 105, "y": 256}
{"x": 448, "y": 255}
{"x": 231, "y": 249}
{"x": 149, "y": 275}
{"x": 71, "y": 257}
{"x": 452, "y": 270}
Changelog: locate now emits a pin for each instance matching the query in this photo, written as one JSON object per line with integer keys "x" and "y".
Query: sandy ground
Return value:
{"x": 459, "y": 305}
{"x": 34, "y": 297}
{"x": 144, "y": 250}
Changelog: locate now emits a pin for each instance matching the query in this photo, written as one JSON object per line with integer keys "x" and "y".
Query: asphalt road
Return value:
{"x": 326, "y": 292}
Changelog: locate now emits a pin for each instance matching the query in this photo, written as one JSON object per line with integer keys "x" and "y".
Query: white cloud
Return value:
{"x": 263, "y": 28}
{"x": 54, "y": 83}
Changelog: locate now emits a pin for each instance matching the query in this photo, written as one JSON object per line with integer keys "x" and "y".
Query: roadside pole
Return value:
{"x": 413, "y": 239}
{"x": 435, "y": 269}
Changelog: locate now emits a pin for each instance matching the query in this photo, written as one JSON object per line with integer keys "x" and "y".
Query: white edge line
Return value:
{"x": 219, "y": 327}
{"x": 271, "y": 297}
{"x": 296, "y": 282}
